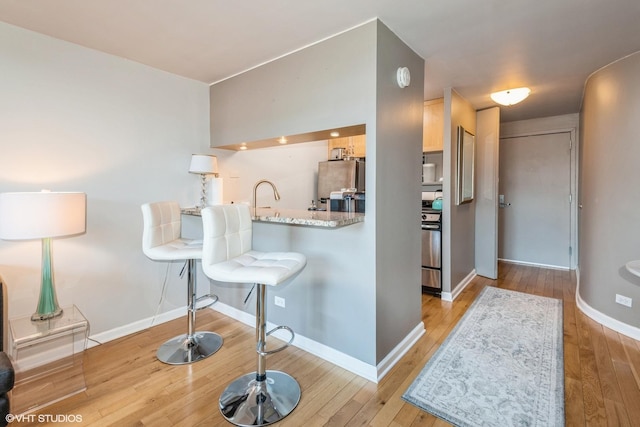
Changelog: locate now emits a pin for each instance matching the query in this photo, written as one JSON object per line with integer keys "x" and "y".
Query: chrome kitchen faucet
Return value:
{"x": 276, "y": 195}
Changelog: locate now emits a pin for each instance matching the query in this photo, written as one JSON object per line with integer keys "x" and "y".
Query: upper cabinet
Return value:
{"x": 358, "y": 142}
{"x": 433, "y": 126}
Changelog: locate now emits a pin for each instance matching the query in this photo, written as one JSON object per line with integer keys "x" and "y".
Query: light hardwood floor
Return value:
{"x": 127, "y": 386}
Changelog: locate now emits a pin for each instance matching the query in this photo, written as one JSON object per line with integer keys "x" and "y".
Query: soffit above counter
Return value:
{"x": 321, "y": 135}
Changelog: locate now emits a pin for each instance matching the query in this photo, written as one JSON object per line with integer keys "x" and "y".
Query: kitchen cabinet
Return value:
{"x": 433, "y": 125}
{"x": 358, "y": 142}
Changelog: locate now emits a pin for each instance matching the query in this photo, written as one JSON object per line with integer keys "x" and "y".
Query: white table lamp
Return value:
{"x": 43, "y": 215}
{"x": 203, "y": 164}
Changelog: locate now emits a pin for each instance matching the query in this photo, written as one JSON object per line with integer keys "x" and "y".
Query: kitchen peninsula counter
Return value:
{"x": 322, "y": 219}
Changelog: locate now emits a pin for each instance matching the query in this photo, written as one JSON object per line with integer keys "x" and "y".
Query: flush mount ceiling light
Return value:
{"x": 511, "y": 96}
{"x": 282, "y": 140}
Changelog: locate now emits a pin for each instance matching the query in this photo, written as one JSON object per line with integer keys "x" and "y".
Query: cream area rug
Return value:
{"x": 502, "y": 365}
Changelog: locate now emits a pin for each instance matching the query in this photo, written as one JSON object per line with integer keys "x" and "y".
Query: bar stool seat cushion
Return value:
{"x": 269, "y": 268}
{"x": 177, "y": 249}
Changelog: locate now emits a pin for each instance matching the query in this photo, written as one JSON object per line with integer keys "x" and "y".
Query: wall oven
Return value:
{"x": 431, "y": 251}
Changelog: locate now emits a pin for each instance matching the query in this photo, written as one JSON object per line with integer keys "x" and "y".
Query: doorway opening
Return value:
{"x": 537, "y": 218}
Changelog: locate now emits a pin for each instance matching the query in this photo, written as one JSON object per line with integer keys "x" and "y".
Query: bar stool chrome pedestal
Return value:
{"x": 262, "y": 397}
{"x": 162, "y": 241}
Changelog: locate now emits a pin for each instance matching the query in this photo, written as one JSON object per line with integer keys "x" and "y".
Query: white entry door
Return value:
{"x": 534, "y": 218}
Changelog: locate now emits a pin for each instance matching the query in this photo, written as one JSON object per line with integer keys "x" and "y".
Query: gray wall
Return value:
{"x": 610, "y": 190}
{"x": 330, "y": 84}
{"x": 398, "y": 159}
{"x": 74, "y": 119}
{"x": 360, "y": 291}
{"x": 458, "y": 227}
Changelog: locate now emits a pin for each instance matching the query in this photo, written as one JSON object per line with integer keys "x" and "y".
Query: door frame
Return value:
{"x": 509, "y": 132}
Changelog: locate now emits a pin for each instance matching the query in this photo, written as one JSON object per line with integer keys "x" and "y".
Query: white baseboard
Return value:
{"x": 400, "y": 350}
{"x": 134, "y": 327}
{"x": 534, "y": 264}
{"x": 57, "y": 352}
{"x": 450, "y": 296}
{"x": 351, "y": 364}
{"x": 603, "y": 319}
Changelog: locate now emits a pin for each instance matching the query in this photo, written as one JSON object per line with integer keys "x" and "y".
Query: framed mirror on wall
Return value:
{"x": 466, "y": 166}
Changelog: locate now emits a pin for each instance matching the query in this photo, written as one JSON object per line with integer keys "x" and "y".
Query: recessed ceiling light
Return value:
{"x": 243, "y": 146}
{"x": 282, "y": 140}
{"x": 334, "y": 134}
{"x": 511, "y": 96}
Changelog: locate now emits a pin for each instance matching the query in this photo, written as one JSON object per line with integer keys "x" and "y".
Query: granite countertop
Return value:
{"x": 308, "y": 218}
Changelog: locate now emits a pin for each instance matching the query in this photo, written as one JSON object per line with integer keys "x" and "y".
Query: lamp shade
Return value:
{"x": 203, "y": 164}
{"x": 41, "y": 215}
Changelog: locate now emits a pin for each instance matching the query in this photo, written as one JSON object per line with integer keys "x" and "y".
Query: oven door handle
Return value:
{"x": 431, "y": 226}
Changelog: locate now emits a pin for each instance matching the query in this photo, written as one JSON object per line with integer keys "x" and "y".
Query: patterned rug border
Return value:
{"x": 559, "y": 367}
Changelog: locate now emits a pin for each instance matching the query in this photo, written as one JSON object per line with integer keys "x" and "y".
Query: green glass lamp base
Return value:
{"x": 37, "y": 317}
{"x": 48, "y": 303}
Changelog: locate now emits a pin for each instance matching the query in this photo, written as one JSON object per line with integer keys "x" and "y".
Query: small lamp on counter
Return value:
{"x": 43, "y": 215}
{"x": 203, "y": 164}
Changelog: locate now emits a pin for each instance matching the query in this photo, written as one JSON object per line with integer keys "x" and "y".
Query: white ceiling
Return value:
{"x": 474, "y": 46}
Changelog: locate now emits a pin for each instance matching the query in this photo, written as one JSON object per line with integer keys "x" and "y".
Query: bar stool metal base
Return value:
{"x": 185, "y": 349}
{"x": 248, "y": 402}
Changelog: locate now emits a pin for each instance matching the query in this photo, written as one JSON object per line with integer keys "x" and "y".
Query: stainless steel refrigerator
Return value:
{"x": 335, "y": 175}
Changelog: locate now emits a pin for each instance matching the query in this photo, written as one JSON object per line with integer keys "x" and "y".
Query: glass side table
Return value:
{"x": 47, "y": 357}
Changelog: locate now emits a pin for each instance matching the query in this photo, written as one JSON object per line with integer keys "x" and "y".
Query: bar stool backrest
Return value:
{"x": 227, "y": 232}
{"x": 162, "y": 224}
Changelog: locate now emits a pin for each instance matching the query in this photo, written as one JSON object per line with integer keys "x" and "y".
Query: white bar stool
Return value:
{"x": 162, "y": 241}
{"x": 262, "y": 397}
